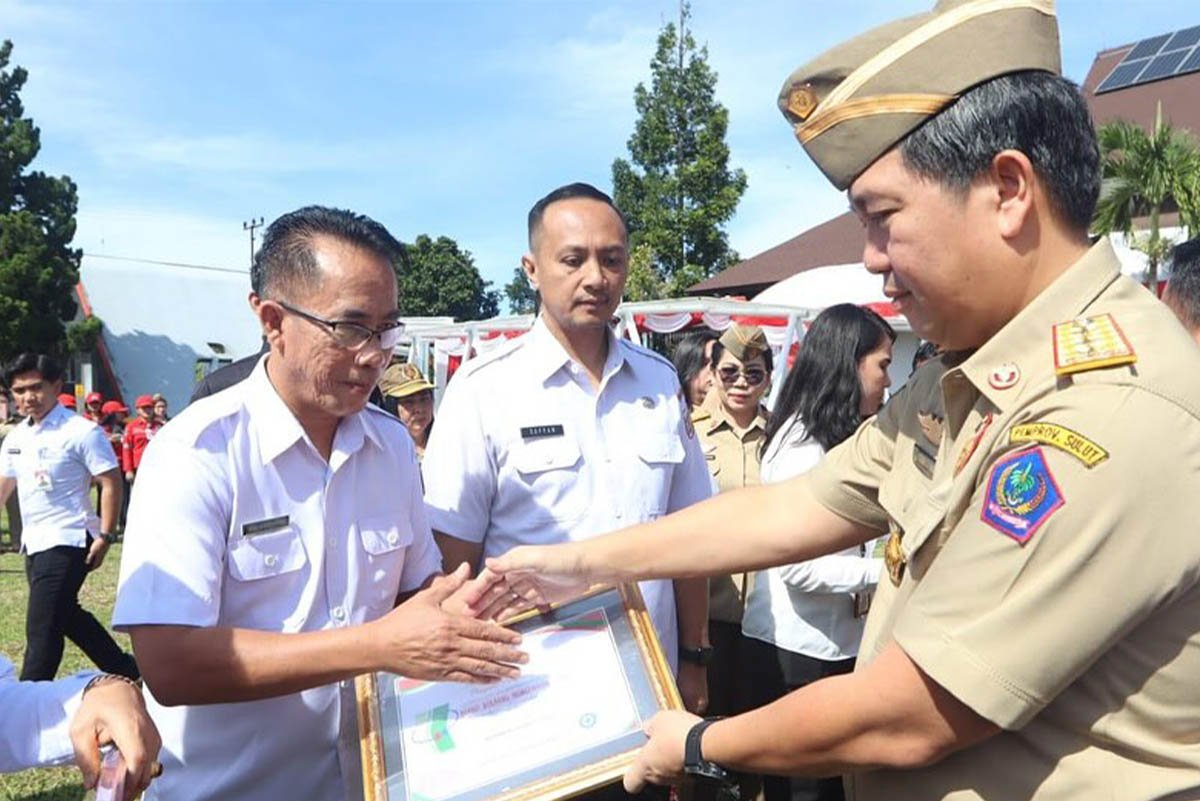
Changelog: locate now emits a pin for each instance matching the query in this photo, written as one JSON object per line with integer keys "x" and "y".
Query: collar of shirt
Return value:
{"x": 53, "y": 419}
{"x": 719, "y": 418}
{"x": 278, "y": 428}
{"x": 1026, "y": 341}
{"x": 549, "y": 356}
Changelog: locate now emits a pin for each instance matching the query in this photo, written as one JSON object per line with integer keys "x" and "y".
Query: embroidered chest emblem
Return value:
{"x": 1021, "y": 495}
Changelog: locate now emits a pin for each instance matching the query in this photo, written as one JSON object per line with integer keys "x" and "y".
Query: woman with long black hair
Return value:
{"x": 804, "y": 622}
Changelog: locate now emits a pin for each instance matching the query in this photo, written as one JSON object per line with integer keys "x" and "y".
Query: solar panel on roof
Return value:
{"x": 1148, "y": 47}
{"x": 1162, "y": 56}
{"x": 1162, "y": 66}
{"x": 1191, "y": 64}
{"x": 1184, "y": 38}
{"x": 1122, "y": 76}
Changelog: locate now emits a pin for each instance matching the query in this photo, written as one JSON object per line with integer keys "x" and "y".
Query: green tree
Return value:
{"x": 522, "y": 297}
{"x": 677, "y": 190}
{"x": 38, "y": 269}
{"x": 441, "y": 280}
{"x": 1146, "y": 174}
{"x": 642, "y": 281}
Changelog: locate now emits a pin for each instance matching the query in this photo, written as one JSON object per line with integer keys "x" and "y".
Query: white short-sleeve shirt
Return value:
{"x": 237, "y": 521}
{"x": 35, "y": 729}
{"x": 525, "y": 451}
{"x": 53, "y": 462}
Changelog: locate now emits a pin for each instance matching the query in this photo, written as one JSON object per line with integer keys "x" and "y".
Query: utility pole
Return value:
{"x": 251, "y": 226}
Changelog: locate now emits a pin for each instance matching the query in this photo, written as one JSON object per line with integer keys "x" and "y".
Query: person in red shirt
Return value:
{"x": 138, "y": 434}
{"x": 93, "y": 408}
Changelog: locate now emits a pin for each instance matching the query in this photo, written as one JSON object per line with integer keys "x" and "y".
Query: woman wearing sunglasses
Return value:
{"x": 804, "y": 622}
{"x": 731, "y": 424}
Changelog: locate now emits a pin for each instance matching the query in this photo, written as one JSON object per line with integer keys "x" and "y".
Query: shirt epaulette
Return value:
{"x": 700, "y": 415}
{"x": 644, "y": 351}
{"x": 472, "y": 366}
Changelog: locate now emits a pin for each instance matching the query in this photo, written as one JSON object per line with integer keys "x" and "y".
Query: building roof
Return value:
{"x": 161, "y": 319}
{"x": 836, "y": 241}
{"x": 1138, "y": 103}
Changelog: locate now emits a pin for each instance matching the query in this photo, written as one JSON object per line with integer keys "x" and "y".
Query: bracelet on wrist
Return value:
{"x": 109, "y": 678}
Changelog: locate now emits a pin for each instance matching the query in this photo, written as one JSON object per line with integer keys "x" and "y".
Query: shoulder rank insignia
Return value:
{"x": 1088, "y": 343}
{"x": 1021, "y": 495}
{"x": 1060, "y": 437}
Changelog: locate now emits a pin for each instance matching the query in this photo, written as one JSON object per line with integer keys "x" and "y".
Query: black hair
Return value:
{"x": 1183, "y": 288}
{"x": 925, "y": 351}
{"x": 823, "y": 390}
{"x": 1038, "y": 113}
{"x": 568, "y": 192}
{"x": 689, "y": 357}
{"x": 287, "y": 262}
{"x": 46, "y": 366}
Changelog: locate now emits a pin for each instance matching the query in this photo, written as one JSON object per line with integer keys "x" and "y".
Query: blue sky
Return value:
{"x": 180, "y": 120}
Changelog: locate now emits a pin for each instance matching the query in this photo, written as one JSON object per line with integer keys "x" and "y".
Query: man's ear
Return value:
{"x": 1015, "y": 179}
{"x": 530, "y": 268}
{"x": 270, "y": 317}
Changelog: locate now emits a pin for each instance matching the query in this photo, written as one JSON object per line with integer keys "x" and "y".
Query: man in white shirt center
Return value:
{"x": 568, "y": 432}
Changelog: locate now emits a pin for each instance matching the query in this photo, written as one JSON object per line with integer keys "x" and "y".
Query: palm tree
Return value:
{"x": 1145, "y": 174}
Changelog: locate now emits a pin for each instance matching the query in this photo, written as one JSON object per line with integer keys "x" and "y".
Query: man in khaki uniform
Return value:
{"x": 1037, "y": 634}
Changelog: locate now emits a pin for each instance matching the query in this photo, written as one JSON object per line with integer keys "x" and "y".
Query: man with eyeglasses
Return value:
{"x": 568, "y": 431}
{"x": 275, "y": 529}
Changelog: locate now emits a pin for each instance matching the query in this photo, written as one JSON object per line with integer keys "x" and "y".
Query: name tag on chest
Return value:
{"x": 265, "y": 526}
{"x": 538, "y": 432}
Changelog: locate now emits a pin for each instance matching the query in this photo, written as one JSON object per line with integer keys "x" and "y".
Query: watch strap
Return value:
{"x": 694, "y": 763}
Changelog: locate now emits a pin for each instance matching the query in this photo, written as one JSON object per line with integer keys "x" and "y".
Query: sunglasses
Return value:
{"x": 754, "y": 375}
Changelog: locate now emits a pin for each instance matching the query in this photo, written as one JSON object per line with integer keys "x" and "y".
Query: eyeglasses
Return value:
{"x": 729, "y": 375}
{"x": 352, "y": 336}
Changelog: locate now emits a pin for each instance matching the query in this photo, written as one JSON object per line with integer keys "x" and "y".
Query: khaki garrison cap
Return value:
{"x": 402, "y": 380}
{"x": 853, "y": 103}
{"x": 744, "y": 341}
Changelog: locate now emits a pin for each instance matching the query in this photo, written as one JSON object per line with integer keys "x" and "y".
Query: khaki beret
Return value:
{"x": 853, "y": 103}
{"x": 402, "y": 380}
{"x": 744, "y": 341}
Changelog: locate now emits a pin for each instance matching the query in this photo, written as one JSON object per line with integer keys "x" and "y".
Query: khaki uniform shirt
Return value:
{"x": 732, "y": 459}
{"x": 1060, "y": 601}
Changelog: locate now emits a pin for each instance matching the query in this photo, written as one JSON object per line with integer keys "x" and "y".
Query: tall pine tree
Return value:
{"x": 38, "y": 269}
{"x": 679, "y": 190}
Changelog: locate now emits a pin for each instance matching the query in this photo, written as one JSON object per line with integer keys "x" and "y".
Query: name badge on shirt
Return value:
{"x": 537, "y": 432}
{"x": 265, "y": 526}
{"x": 42, "y": 480}
{"x": 14, "y": 451}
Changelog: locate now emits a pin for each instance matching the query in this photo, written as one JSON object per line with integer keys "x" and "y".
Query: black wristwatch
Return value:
{"x": 703, "y": 655}
{"x": 109, "y": 539}
{"x": 694, "y": 764}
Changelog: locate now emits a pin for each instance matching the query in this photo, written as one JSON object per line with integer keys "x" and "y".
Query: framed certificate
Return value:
{"x": 570, "y": 723}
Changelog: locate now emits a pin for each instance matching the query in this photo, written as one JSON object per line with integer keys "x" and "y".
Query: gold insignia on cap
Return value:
{"x": 801, "y": 101}
{"x": 1089, "y": 343}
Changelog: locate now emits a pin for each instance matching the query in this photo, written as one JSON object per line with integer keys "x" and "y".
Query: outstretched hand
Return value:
{"x": 423, "y": 639}
{"x": 539, "y": 575}
{"x": 661, "y": 760}
{"x": 113, "y": 713}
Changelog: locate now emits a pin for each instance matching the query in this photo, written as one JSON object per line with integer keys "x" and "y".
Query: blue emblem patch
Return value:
{"x": 1021, "y": 495}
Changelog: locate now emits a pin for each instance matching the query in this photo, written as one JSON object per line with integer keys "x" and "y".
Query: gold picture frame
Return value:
{"x": 408, "y": 747}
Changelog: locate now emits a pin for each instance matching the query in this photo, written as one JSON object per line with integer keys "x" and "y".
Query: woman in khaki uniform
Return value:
{"x": 730, "y": 424}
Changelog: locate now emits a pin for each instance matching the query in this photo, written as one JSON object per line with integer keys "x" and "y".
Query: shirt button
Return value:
{"x": 332, "y": 543}
{"x": 271, "y": 560}
{"x": 338, "y": 613}
{"x": 393, "y": 538}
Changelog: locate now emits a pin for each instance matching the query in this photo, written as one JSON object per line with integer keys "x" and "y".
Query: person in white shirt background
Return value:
{"x": 50, "y": 458}
{"x": 48, "y": 723}
{"x": 804, "y": 621}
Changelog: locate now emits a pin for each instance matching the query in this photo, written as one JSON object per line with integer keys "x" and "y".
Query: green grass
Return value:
{"x": 97, "y": 596}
